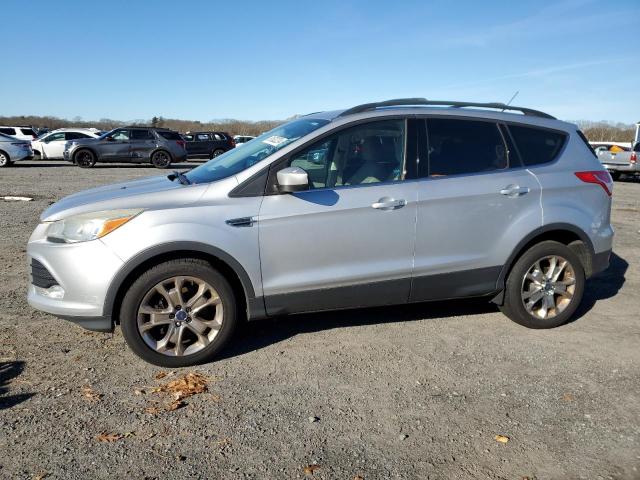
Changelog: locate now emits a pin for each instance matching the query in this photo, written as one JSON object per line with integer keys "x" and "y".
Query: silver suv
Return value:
{"x": 383, "y": 203}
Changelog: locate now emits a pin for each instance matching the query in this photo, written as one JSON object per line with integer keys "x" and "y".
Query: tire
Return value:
{"x": 149, "y": 340}
{"x": 84, "y": 158}
{"x": 615, "y": 175}
{"x": 161, "y": 159}
{"x": 521, "y": 287}
{"x": 217, "y": 152}
{"x": 5, "y": 160}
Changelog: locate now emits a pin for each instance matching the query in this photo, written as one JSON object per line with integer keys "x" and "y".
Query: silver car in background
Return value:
{"x": 13, "y": 150}
{"x": 385, "y": 203}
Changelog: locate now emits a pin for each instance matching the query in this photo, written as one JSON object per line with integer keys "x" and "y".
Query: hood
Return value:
{"x": 152, "y": 192}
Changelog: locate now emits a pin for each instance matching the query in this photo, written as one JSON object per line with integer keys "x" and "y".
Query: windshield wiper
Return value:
{"x": 182, "y": 178}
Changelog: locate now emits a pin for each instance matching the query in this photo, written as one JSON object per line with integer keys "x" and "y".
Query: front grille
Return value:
{"x": 40, "y": 276}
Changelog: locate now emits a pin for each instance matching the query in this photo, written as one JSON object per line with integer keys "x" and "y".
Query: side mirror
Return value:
{"x": 292, "y": 179}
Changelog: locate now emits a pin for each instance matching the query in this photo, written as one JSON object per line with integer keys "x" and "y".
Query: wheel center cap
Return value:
{"x": 181, "y": 315}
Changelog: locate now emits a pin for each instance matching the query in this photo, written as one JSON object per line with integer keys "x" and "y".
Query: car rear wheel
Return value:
{"x": 161, "y": 159}
{"x": 217, "y": 152}
{"x": 85, "y": 159}
{"x": 179, "y": 313}
{"x": 5, "y": 160}
{"x": 545, "y": 286}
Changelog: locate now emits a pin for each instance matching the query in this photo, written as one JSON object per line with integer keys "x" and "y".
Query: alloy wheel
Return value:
{"x": 548, "y": 287}
{"x": 3, "y": 160}
{"x": 180, "y": 316}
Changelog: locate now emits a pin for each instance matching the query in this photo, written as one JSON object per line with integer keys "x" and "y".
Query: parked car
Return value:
{"x": 619, "y": 160}
{"x": 51, "y": 145}
{"x": 20, "y": 132}
{"x": 208, "y": 144}
{"x": 159, "y": 146}
{"x": 241, "y": 139}
{"x": 383, "y": 203}
{"x": 13, "y": 150}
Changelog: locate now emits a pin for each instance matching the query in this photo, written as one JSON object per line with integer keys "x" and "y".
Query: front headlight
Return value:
{"x": 89, "y": 226}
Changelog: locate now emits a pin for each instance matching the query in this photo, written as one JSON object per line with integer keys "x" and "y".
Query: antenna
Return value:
{"x": 511, "y": 100}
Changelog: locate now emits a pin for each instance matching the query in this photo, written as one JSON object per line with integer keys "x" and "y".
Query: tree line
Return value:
{"x": 594, "y": 131}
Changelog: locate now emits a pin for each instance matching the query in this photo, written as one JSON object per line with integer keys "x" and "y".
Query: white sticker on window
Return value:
{"x": 274, "y": 140}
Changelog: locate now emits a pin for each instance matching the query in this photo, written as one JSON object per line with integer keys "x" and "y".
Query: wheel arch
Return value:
{"x": 161, "y": 149}
{"x": 228, "y": 266}
{"x": 565, "y": 233}
{"x": 82, "y": 147}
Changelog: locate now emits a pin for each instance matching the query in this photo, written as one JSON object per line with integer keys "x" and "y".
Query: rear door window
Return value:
{"x": 458, "y": 147}
{"x": 202, "y": 137}
{"x": 8, "y": 131}
{"x": 537, "y": 145}
{"x": 141, "y": 135}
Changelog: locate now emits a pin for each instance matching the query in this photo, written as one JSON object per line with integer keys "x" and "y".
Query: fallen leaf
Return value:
{"x": 176, "y": 404}
{"x": 358, "y": 477}
{"x": 567, "y": 397}
{"x": 223, "y": 442}
{"x": 109, "y": 437}
{"x": 89, "y": 394}
{"x": 41, "y": 476}
{"x": 309, "y": 469}
{"x": 501, "y": 438}
{"x": 160, "y": 375}
{"x": 129, "y": 434}
{"x": 153, "y": 410}
{"x": 186, "y": 386}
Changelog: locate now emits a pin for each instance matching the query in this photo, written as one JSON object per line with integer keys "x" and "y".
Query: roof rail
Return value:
{"x": 441, "y": 103}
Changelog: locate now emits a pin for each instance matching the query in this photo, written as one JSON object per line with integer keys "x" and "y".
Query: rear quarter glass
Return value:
{"x": 537, "y": 145}
{"x": 170, "y": 135}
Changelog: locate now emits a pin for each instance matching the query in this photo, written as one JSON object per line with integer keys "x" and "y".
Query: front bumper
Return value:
{"x": 82, "y": 270}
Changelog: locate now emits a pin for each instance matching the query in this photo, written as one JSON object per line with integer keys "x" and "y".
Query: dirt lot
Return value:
{"x": 402, "y": 392}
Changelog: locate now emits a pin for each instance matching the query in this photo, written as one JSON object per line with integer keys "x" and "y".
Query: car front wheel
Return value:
{"x": 545, "y": 286}
{"x": 178, "y": 313}
{"x": 85, "y": 159}
{"x": 217, "y": 152}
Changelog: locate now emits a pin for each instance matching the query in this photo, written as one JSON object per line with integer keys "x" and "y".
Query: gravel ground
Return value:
{"x": 399, "y": 392}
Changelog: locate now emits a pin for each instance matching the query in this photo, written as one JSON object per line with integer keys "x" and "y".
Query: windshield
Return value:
{"x": 239, "y": 159}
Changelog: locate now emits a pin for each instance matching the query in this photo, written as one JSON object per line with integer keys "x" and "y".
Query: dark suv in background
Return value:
{"x": 208, "y": 144}
{"x": 159, "y": 146}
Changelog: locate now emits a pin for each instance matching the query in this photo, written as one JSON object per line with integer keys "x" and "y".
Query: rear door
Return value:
{"x": 474, "y": 199}
{"x": 347, "y": 241}
{"x": 202, "y": 144}
{"x": 143, "y": 142}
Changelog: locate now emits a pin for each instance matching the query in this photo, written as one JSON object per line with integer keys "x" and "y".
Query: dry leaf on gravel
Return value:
{"x": 567, "y": 397}
{"x": 358, "y": 477}
{"x": 161, "y": 375}
{"x": 89, "y": 394}
{"x": 309, "y": 469}
{"x": 186, "y": 386}
{"x": 109, "y": 437}
{"x": 176, "y": 404}
{"x": 41, "y": 476}
{"x": 501, "y": 438}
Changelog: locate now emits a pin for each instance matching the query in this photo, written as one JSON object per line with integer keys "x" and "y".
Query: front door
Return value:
{"x": 348, "y": 241}
{"x": 53, "y": 145}
{"x": 117, "y": 147}
{"x": 475, "y": 202}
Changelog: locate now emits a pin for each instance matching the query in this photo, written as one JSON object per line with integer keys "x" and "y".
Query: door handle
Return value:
{"x": 388, "y": 203}
{"x": 514, "y": 191}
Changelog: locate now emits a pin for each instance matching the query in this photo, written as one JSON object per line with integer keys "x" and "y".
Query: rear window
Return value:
{"x": 8, "y": 131}
{"x": 537, "y": 145}
{"x": 637, "y": 147}
{"x": 169, "y": 135}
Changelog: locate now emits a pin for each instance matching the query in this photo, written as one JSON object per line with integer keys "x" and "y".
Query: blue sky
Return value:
{"x": 576, "y": 59}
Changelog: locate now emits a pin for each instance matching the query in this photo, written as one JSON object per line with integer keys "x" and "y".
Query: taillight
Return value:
{"x": 232, "y": 142}
{"x": 633, "y": 158}
{"x": 599, "y": 177}
{"x": 182, "y": 143}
